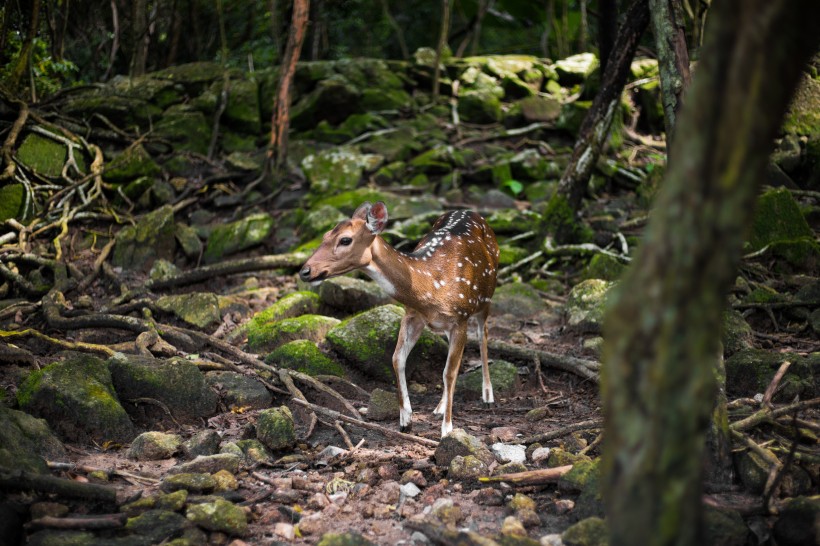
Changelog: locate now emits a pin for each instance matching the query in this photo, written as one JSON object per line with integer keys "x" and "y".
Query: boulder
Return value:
{"x": 576, "y": 68}
{"x": 458, "y": 442}
{"x": 480, "y": 106}
{"x": 238, "y": 390}
{"x": 157, "y": 526}
{"x": 519, "y": 299}
{"x": 134, "y": 162}
{"x": 185, "y": 127}
{"x": 337, "y": 169}
{"x": 275, "y": 334}
{"x": 586, "y": 305}
{"x": 588, "y": 532}
{"x": 201, "y": 309}
{"x": 275, "y": 428}
{"x": 77, "y": 398}
{"x": 304, "y": 356}
{"x": 153, "y": 446}
{"x": 749, "y": 371}
{"x": 367, "y": 341}
{"x": 43, "y": 155}
{"x": 26, "y": 442}
{"x": 291, "y": 305}
{"x": 176, "y": 382}
{"x": 383, "y": 406}
{"x": 799, "y": 522}
{"x": 151, "y": 238}
{"x": 351, "y": 294}
{"x": 504, "y": 376}
{"x": 226, "y": 239}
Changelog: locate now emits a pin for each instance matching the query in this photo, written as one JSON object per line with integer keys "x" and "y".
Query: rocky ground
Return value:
{"x": 156, "y": 344}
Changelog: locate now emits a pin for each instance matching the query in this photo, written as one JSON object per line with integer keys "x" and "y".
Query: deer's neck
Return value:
{"x": 390, "y": 270}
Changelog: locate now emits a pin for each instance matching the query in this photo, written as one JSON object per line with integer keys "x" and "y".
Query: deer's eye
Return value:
{"x": 345, "y": 241}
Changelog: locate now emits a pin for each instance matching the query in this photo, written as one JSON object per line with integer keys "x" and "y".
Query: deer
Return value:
{"x": 446, "y": 283}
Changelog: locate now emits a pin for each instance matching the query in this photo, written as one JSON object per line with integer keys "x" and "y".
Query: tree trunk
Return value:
{"x": 662, "y": 334}
{"x": 669, "y": 28}
{"x": 139, "y": 37}
{"x": 405, "y": 53}
{"x": 24, "y": 59}
{"x": 442, "y": 42}
{"x": 280, "y": 123}
{"x": 595, "y": 127}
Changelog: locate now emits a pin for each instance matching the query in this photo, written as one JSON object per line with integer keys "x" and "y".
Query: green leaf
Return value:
{"x": 514, "y": 186}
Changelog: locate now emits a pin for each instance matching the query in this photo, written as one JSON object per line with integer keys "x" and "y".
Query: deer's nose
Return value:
{"x": 304, "y": 274}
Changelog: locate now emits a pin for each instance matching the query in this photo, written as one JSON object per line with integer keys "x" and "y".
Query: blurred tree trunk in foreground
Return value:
{"x": 662, "y": 334}
{"x": 280, "y": 122}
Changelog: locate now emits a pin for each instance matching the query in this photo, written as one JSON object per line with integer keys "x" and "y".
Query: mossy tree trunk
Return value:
{"x": 595, "y": 128}
{"x": 669, "y": 28}
{"x": 662, "y": 334}
{"x": 22, "y": 64}
{"x": 280, "y": 123}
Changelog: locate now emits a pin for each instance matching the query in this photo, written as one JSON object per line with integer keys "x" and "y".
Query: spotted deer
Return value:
{"x": 445, "y": 283}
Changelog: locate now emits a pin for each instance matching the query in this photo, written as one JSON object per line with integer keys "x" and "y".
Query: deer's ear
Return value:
{"x": 361, "y": 212}
{"x": 377, "y": 218}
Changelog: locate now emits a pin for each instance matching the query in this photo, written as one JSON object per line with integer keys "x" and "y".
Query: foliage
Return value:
{"x": 48, "y": 73}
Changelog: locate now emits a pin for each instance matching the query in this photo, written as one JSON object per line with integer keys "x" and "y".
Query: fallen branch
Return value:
{"x": 21, "y": 480}
{"x": 335, "y": 415}
{"x": 286, "y": 380}
{"x": 321, "y": 387}
{"x": 770, "y": 390}
{"x": 540, "y": 476}
{"x": 588, "y": 369}
{"x": 262, "y": 263}
{"x": 545, "y": 436}
{"x": 766, "y": 414}
{"x": 101, "y": 521}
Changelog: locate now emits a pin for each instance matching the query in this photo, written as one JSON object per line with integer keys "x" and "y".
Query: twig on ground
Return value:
{"x": 770, "y": 390}
{"x": 95, "y": 521}
{"x": 546, "y": 436}
{"x": 540, "y": 476}
{"x": 765, "y": 414}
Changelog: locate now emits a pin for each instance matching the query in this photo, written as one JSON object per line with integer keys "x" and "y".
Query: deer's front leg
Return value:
{"x": 411, "y": 328}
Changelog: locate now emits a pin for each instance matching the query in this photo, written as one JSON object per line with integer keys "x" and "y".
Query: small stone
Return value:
{"x": 521, "y": 502}
{"x": 252, "y": 452}
{"x": 510, "y": 468}
{"x": 529, "y": 518}
{"x": 562, "y": 506}
{"x": 410, "y": 490}
{"x": 551, "y": 540}
{"x": 489, "y": 496}
{"x": 43, "y": 509}
{"x": 446, "y": 511}
{"x": 540, "y": 455}
{"x": 383, "y": 406}
{"x": 275, "y": 428}
{"x": 328, "y": 453}
{"x": 157, "y": 525}
{"x": 172, "y": 501}
{"x": 458, "y": 442}
{"x": 587, "y": 532}
{"x": 343, "y": 539}
{"x": 507, "y": 453}
{"x": 466, "y": 468}
{"x": 388, "y": 493}
{"x": 504, "y": 434}
{"x": 225, "y": 481}
{"x": 153, "y": 446}
{"x": 284, "y": 530}
{"x": 389, "y": 472}
{"x": 512, "y": 527}
{"x": 204, "y": 442}
{"x": 414, "y": 476}
{"x": 193, "y": 483}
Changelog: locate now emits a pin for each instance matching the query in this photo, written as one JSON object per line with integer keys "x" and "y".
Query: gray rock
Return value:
{"x": 518, "y": 299}
{"x": 368, "y": 339}
{"x": 343, "y": 539}
{"x": 175, "y": 382}
{"x": 725, "y": 528}
{"x": 509, "y": 453}
{"x": 458, "y": 442}
{"x": 576, "y": 68}
{"x": 26, "y": 442}
{"x": 466, "y": 467}
{"x": 352, "y": 295}
{"x": 150, "y": 239}
{"x": 799, "y": 522}
{"x": 238, "y": 390}
{"x": 252, "y": 451}
{"x": 153, "y": 446}
{"x": 204, "y": 442}
{"x": 383, "y": 406}
{"x": 275, "y": 428}
{"x": 200, "y": 309}
{"x": 210, "y": 464}
{"x": 191, "y": 482}
{"x": 88, "y": 408}
{"x": 306, "y": 327}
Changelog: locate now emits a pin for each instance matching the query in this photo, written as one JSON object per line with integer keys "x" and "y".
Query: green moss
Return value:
{"x": 186, "y": 128}
{"x": 271, "y": 335}
{"x": 12, "y": 202}
{"x": 43, "y": 155}
{"x": 589, "y": 532}
{"x": 513, "y": 221}
{"x": 133, "y": 163}
{"x": 304, "y": 356}
{"x": 275, "y": 428}
{"x": 232, "y": 237}
{"x": 604, "y": 267}
{"x": 509, "y": 254}
{"x": 778, "y": 218}
{"x": 560, "y": 221}
{"x": 348, "y": 201}
{"x": 294, "y": 304}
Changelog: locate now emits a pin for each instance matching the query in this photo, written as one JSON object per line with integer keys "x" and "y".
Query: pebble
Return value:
{"x": 509, "y": 453}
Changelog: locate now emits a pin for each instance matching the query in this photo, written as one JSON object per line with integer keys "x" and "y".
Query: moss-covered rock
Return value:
{"x": 226, "y": 239}
{"x": 513, "y": 221}
{"x": 211, "y": 464}
{"x": 186, "y": 128}
{"x": 275, "y": 428}
{"x": 467, "y": 468}
{"x": 351, "y": 294}
{"x": 78, "y": 400}
{"x": 200, "y": 309}
{"x": 778, "y": 218}
{"x": 348, "y": 201}
{"x": 150, "y": 239}
{"x": 586, "y": 305}
{"x": 519, "y": 299}
{"x": 319, "y": 220}
{"x": 368, "y": 339}
{"x": 480, "y": 106}
{"x": 204, "y": 442}
{"x": 196, "y": 483}
{"x": 749, "y": 371}
{"x": 337, "y": 170}
{"x": 12, "y": 202}
{"x": 333, "y": 100}
{"x": 291, "y": 305}
{"x": 158, "y": 92}
{"x": 253, "y": 452}
{"x": 304, "y": 356}
{"x": 588, "y": 532}
{"x": 529, "y": 164}
{"x": 242, "y": 110}
{"x": 396, "y": 146}
{"x": 560, "y": 222}
{"x": 604, "y": 267}
{"x": 61, "y": 537}
{"x": 576, "y": 68}
{"x": 504, "y": 376}
{"x": 799, "y": 522}
{"x": 343, "y": 539}
{"x": 134, "y": 162}
{"x": 26, "y": 442}
{"x": 154, "y": 445}
{"x": 176, "y": 382}
{"x": 193, "y": 77}
{"x": 157, "y": 526}
{"x": 540, "y": 108}
{"x": 753, "y": 470}
{"x": 737, "y": 334}
{"x": 43, "y": 155}
{"x": 238, "y": 390}
{"x": 724, "y": 527}
{"x": 275, "y": 334}
{"x": 458, "y": 442}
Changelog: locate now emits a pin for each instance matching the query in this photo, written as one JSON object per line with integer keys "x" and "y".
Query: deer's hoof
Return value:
{"x": 406, "y": 428}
